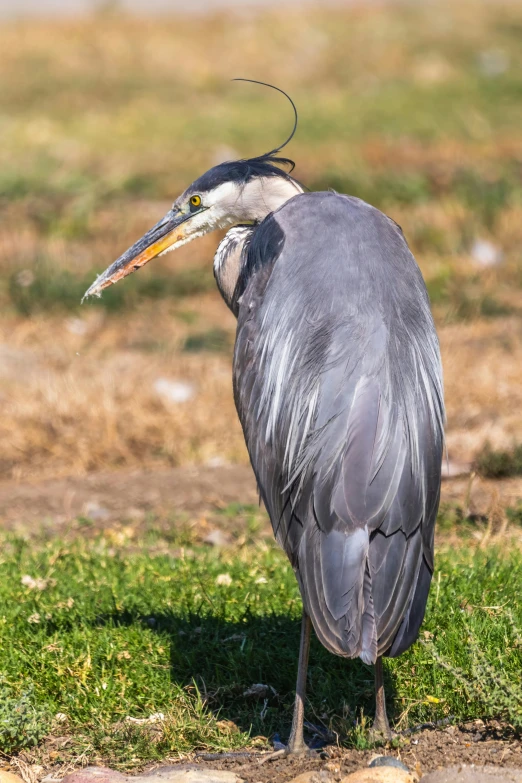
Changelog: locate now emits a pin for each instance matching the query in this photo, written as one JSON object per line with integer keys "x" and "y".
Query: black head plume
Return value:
{"x": 272, "y": 155}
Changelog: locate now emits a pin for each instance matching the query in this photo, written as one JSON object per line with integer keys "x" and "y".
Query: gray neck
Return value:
{"x": 228, "y": 261}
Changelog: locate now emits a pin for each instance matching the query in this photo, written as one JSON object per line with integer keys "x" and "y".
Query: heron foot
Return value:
{"x": 302, "y": 751}
{"x": 232, "y": 755}
{"x": 380, "y": 732}
{"x": 256, "y": 759}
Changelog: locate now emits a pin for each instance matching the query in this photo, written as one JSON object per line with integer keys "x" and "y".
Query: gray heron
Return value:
{"x": 338, "y": 386}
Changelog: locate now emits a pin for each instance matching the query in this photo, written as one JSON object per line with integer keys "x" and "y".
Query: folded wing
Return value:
{"x": 338, "y": 386}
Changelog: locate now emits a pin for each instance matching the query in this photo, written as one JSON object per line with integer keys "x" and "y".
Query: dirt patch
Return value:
{"x": 473, "y": 743}
{"x": 197, "y": 494}
{"x": 423, "y": 751}
{"x": 124, "y": 496}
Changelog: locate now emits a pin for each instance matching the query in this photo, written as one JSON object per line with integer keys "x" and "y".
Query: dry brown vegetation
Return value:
{"x": 103, "y": 121}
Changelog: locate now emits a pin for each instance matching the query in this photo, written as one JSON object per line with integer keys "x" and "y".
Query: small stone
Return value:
{"x": 174, "y": 391}
{"x": 380, "y": 775}
{"x": 94, "y": 775}
{"x": 484, "y": 253}
{"x": 388, "y": 761}
{"x": 322, "y": 776}
{"x": 260, "y": 691}
{"x": 76, "y": 326}
{"x": 216, "y": 462}
{"x": 186, "y": 774}
{"x": 224, "y": 580}
{"x": 493, "y": 62}
{"x": 93, "y": 510}
{"x": 474, "y": 774}
{"x": 216, "y": 538}
{"x": 9, "y": 777}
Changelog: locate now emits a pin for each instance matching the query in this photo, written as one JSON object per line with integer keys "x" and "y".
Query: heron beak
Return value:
{"x": 164, "y": 235}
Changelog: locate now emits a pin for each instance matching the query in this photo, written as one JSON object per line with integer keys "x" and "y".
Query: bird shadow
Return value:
{"x": 246, "y": 673}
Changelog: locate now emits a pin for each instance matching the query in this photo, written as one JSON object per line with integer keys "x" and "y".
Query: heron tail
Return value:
{"x": 335, "y": 584}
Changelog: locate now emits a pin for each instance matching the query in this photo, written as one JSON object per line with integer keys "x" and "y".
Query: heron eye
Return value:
{"x": 195, "y": 201}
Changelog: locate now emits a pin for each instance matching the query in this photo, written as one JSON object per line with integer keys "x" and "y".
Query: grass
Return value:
{"x": 499, "y": 463}
{"x": 42, "y": 289}
{"x": 95, "y": 632}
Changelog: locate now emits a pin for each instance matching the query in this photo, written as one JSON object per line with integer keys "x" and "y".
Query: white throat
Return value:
{"x": 231, "y": 203}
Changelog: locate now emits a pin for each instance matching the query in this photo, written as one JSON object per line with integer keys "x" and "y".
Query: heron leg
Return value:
{"x": 296, "y": 743}
{"x": 381, "y": 727}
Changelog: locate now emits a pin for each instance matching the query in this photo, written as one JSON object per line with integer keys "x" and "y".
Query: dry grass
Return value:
{"x": 104, "y": 120}
{"x": 90, "y": 400}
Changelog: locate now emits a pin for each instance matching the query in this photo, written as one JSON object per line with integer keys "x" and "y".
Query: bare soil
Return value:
{"x": 196, "y": 495}
{"x": 424, "y": 751}
{"x": 123, "y": 496}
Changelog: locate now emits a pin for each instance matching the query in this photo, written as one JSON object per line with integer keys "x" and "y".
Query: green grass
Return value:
{"x": 113, "y": 633}
{"x": 215, "y": 340}
{"x": 463, "y": 298}
{"x": 499, "y": 463}
{"x": 42, "y": 288}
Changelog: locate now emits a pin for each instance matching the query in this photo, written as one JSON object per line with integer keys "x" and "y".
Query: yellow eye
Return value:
{"x": 195, "y": 201}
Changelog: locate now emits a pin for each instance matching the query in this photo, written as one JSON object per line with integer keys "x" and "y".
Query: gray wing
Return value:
{"x": 338, "y": 386}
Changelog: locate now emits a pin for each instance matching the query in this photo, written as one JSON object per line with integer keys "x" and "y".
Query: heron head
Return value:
{"x": 243, "y": 191}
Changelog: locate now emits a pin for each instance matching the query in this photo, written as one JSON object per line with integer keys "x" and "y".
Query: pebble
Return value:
{"x": 380, "y": 775}
{"x": 174, "y": 774}
{"x": 189, "y": 774}
{"x": 76, "y": 326}
{"x": 484, "y": 253}
{"x": 472, "y": 774}
{"x": 9, "y": 777}
{"x": 388, "y": 761}
{"x": 217, "y": 538}
{"x": 94, "y": 775}
{"x": 174, "y": 391}
{"x": 321, "y": 776}
{"x": 260, "y": 691}
{"x": 493, "y": 62}
{"x": 94, "y": 511}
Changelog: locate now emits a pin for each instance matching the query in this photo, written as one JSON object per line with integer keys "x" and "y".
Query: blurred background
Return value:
{"x": 108, "y": 110}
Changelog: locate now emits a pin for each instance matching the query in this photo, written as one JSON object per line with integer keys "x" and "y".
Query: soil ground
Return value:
{"x": 125, "y": 496}
{"x": 198, "y": 494}
{"x": 423, "y": 751}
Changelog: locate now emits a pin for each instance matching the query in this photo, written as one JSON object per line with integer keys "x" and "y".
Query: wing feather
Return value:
{"x": 338, "y": 387}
